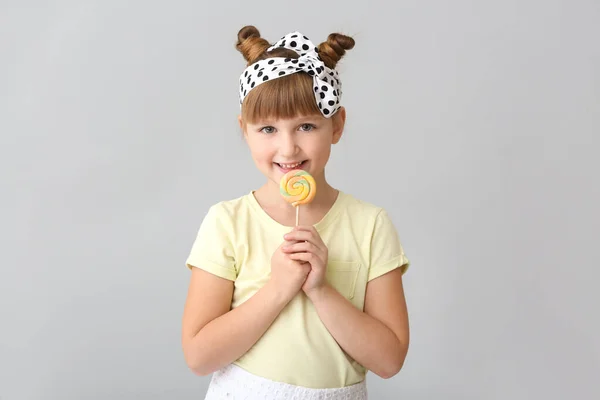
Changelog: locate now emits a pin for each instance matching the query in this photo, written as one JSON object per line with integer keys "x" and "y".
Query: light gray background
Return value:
{"x": 474, "y": 123}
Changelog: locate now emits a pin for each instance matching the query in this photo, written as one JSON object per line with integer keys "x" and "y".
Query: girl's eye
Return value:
{"x": 268, "y": 129}
{"x": 307, "y": 127}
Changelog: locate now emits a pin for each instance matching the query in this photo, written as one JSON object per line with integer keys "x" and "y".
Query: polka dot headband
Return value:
{"x": 327, "y": 86}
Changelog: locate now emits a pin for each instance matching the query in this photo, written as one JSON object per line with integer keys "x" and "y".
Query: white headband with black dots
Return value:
{"x": 327, "y": 85}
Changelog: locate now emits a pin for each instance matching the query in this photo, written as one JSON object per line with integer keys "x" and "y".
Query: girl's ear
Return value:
{"x": 339, "y": 120}
{"x": 241, "y": 122}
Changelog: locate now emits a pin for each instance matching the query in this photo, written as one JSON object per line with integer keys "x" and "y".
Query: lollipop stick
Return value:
{"x": 297, "y": 214}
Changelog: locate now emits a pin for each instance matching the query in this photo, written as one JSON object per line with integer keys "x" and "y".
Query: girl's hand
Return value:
{"x": 287, "y": 275}
{"x": 309, "y": 248}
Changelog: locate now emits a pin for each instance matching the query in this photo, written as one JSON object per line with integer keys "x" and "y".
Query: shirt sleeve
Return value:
{"x": 386, "y": 252}
{"x": 212, "y": 249}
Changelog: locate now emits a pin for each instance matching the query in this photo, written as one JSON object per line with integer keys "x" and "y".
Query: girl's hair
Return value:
{"x": 291, "y": 95}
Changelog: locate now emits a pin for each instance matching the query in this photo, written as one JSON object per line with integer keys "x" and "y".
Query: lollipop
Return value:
{"x": 298, "y": 187}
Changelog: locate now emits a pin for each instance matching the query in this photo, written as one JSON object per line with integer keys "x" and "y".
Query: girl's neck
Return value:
{"x": 273, "y": 203}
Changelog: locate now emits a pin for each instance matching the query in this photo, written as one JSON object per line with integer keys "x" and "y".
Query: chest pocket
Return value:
{"x": 342, "y": 275}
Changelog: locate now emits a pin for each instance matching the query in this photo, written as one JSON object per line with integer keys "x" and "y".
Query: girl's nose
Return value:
{"x": 287, "y": 145}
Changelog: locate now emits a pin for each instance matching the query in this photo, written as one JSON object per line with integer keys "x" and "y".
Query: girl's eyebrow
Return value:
{"x": 264, "y": 122}
{"x": 296, "y": 121}
{"x": 303, "y": 120}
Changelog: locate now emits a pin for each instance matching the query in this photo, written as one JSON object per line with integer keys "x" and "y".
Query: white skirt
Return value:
{"x": 235, "y": 383}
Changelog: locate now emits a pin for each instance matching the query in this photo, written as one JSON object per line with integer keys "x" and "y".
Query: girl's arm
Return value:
{"x": 213, "y": 335}
{"x": 376, "y": 338}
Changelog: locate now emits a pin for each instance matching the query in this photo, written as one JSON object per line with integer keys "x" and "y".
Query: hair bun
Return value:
{"x": 332, "y": 50}
{"x": 250, "y": 44}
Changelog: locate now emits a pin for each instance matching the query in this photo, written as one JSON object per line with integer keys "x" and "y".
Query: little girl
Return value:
{"x": 278, "y": 311}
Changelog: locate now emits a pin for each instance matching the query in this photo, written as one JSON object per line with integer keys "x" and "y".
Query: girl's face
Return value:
{"x": 279, "y": 146}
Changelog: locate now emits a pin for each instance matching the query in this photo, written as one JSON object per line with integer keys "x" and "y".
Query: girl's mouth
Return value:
{"x": 291, "y": 166}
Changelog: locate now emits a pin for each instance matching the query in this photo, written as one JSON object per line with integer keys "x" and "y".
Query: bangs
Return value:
{"x": 287, "y": 97}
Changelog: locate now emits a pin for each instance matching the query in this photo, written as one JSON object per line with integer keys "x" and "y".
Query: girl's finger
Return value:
{"x": 308, "y": 228}
{"x": 303, "y": 247}
{"x": 303, "y": 236}
{"x": 308, "y": 257}
{"x": 313, "y": 231}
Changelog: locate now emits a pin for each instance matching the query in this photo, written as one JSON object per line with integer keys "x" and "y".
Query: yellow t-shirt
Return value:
{"x": 236, "y": 241}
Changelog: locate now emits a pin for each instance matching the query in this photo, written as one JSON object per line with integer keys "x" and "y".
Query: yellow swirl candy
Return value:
{"x": 298, "y": 187}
